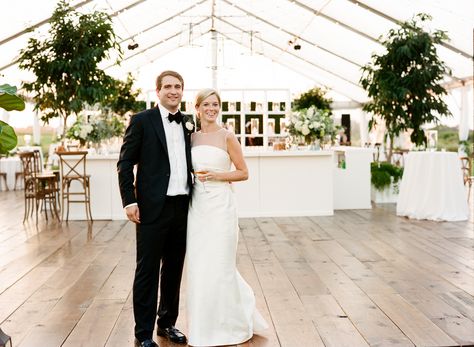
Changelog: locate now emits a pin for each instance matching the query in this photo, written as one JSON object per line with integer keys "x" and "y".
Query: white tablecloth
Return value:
{"x": 11, "y": 165}
{"x": 432, "y": 187}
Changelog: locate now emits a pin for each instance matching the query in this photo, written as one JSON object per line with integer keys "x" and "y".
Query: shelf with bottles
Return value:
{"x": 256, "y": 116}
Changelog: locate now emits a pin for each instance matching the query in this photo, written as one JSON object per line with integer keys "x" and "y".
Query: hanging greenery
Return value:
{"x": 405, "y": 82}
{"x": 66, "y": 62}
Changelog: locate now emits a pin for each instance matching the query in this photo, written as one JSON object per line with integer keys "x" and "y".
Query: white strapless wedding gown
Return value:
{"x": 220, "y": 304}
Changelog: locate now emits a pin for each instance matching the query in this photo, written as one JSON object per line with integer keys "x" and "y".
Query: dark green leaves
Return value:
{"x": 405, "y": 82}
{"x": 313, "y": 97}
{"x": 9, "y": 100}
{"x": 8, "y": 139}
{"x": 66, "y": 62}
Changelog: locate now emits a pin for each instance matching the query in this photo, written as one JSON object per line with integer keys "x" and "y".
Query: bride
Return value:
{"x": 220, "y": 304}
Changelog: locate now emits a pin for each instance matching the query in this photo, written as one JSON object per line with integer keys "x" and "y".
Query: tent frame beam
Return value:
{"x": 292, "y": 54}
{"x": 396, "y": 21}
{"x": 263, "y": 20}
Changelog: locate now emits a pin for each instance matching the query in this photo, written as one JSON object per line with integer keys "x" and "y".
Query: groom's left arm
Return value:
{"x": 129, "y": 156}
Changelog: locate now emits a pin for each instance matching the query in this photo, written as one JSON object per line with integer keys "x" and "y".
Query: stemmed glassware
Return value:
{"x": 202, "y": 172}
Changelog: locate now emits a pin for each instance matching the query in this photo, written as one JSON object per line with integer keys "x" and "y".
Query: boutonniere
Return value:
{"x": 189, "y": 126}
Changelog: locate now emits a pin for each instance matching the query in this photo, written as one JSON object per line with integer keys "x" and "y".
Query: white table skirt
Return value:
{"x": 11, "y": 166}
{"x": 432, "y": 187}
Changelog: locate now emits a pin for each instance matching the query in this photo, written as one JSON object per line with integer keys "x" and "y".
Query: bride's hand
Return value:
{"x": 209, "y": 176}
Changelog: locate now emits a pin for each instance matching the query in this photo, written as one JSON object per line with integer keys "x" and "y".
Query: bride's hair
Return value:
{"x": 203, "y": 94}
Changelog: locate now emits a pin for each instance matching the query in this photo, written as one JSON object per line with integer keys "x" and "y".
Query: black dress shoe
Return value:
{"x": 145, "y": 343}
{"x": 172, "y": 334}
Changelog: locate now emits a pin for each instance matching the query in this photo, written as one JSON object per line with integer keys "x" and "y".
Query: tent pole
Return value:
{"x": 214, "y": 47}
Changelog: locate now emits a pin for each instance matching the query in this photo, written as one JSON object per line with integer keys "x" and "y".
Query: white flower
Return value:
{"x": 85, "y": 130}
{"x": 189, "y": 126}
{"x": 298, "y": 125}
{"x": 305, "y": 130}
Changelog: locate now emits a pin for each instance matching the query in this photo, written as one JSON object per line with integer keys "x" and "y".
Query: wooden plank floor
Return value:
{"x": 358, "y": 278}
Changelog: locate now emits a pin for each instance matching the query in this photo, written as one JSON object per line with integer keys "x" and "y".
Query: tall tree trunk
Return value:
{"x": 390, "y": 149}
{"x": 63, "y": 136}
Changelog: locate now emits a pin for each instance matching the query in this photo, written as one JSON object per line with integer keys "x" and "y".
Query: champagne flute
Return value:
{"x": 202, "y": 172}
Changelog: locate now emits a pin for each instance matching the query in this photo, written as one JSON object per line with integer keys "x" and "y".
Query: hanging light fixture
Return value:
{"x": 132, "y": 46}
{"x": 296, "y": 46}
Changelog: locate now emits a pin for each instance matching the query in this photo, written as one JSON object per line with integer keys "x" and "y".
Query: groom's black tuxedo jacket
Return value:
{"x": 145, "y": 145}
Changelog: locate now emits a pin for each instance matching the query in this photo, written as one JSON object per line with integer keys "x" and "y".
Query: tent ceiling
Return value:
{"x": 337, "y": 37}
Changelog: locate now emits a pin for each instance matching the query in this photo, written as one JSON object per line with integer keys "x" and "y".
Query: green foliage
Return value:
{"x": 383, "y": 173}
{"x": 9, "y": 101}
{"x": 405, "y": 82}
{"x": 448, "y": 139}
{"x": 94, "y": 129}
{"x": 8, "y": 139}
{"x": 313, "y": 97}
{"x": 66, "y": 62}
{"x": 125, "y": 99}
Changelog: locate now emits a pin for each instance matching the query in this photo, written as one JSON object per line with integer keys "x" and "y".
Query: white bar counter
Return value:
{"x": 352, "y": 183}
{"x": 287, "y": 183}
{"x": 281, "y": 183}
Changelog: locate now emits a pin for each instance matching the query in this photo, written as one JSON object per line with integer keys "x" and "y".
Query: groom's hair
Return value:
{"x": 159, "y": 79}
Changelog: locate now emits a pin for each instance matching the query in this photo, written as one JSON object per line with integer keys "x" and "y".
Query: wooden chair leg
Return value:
{"x": 88, "y": 198}
{"x": 36, "y": 209}
{"x": 26, "y": 209}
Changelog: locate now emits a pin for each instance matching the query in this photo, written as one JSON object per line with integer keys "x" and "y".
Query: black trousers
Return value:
{"x": 160, "y": 245}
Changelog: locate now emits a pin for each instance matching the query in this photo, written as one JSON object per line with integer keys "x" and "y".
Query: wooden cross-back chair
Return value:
{"x": 73, "y": 169}
{"x": 41, "y": 188}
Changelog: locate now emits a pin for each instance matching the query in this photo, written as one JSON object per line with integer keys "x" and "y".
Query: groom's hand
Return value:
{"x": 133, "y": 214}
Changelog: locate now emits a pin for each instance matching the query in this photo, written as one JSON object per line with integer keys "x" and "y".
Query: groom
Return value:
{"x": 158, "y": 142}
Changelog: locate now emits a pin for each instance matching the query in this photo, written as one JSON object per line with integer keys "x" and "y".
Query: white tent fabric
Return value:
{"x": 335, "y": 37}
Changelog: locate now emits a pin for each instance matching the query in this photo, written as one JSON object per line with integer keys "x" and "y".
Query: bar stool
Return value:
{"x": 73, "y": 169}
{"x": 18, "y": 176}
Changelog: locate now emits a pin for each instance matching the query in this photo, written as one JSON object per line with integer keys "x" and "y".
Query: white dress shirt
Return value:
{"x": 178, "y": 184}
{"x": 176, "y": 146}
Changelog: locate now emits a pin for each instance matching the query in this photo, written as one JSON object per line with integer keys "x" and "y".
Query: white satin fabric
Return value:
{"x": 220, "y": 304}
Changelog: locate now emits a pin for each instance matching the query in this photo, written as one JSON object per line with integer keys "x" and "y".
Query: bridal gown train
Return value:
{"x": 220, "y": 304}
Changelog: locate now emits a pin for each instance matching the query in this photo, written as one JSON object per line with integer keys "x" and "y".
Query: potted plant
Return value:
{"x": 405, "y": 83}
{"x": 385, "y": 178}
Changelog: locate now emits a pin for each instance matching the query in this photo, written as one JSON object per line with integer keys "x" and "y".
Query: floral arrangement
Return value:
{"x": 312, "y": 124}
{"x": 95, "y": 128}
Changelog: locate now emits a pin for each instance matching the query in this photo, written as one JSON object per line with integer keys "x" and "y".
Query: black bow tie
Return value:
{"x": 177, "y": 117}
